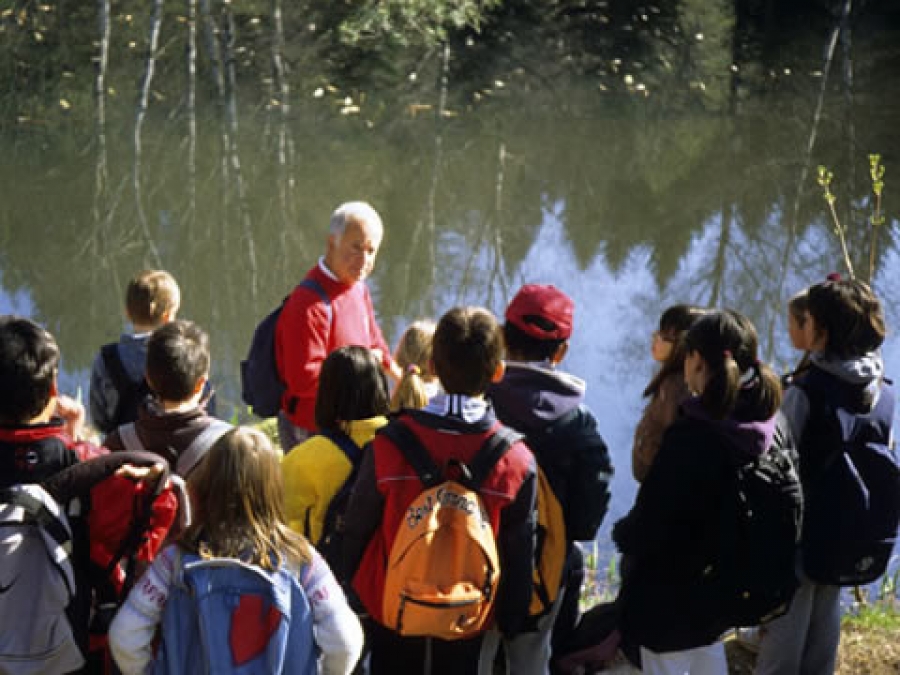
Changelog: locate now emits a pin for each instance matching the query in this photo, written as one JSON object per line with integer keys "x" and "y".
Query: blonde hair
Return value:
{"x": 238, "y": 499}
{"x": 413, "y": 355}
{"x": 150, "y": 295}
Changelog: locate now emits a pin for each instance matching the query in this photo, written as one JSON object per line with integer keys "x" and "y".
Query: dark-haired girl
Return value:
{"x": 671, "y": 536}
{"x": 351, "y": 405}
{"x": 667, "y": 390}
{"x": 842, "y": 388}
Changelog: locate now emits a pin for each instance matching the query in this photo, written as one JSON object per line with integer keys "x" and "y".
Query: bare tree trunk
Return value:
{"x": 804, "y": 172}
{"x": 233, "y": 125}
{"x": 211, "y": 34}
{"x": 817, "y": 115}
{"x": 192, "y": 111}
{"x": 847, "y": 71}
{"x": 285, "y": 145}
{"x": 721, "y": 259}
{"x": 99, "y": 241}
{"x": 155, "y": 25}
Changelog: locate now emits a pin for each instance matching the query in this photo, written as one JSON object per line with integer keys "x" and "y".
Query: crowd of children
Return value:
{"x": 431, "y": 527}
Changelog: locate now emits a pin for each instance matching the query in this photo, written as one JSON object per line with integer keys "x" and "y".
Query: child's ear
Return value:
{"x": 499, "y": 372}
{"x": 560, "y": 353}
{"x": 201, "y": 382}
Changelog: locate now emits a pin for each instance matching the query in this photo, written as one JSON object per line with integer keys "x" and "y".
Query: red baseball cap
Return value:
{"x": 542, "y": 311}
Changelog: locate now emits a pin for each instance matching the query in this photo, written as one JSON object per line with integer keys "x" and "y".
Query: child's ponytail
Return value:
{"x": 413, "y": 355}
{"x": 411, "y": 391}
{"x": 721, "y": 391}
{"x": 738, "y": 384}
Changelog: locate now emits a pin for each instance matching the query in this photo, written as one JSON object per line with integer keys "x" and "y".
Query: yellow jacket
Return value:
{"x": 313, "y": 473}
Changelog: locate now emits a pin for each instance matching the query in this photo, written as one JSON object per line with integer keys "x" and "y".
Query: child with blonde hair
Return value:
{"x": 239, "y": 528}
{"x": 118, "y": 388}
{"x": 418, "y": 382}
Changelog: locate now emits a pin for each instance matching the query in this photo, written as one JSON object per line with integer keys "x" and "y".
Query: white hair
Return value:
{"x": 359, "y": 211}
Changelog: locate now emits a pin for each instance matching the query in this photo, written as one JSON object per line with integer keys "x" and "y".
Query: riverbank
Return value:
{"x": 864, "y": 650}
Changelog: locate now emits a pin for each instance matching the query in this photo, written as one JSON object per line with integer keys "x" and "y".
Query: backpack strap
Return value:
{"x": 413, "y": 452}
{"x": 490, "y": 453}
{"x": 35, "y": 504}
{"x": 346, "y": 444}
{"x": 493, "y": 448}
{"x": 130, "y": 439}
{"x": 188, "y": 459}
{"x": 316, "y": 287}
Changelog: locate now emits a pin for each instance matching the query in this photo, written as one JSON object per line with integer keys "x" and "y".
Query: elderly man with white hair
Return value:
{"x": 330, "y": 309}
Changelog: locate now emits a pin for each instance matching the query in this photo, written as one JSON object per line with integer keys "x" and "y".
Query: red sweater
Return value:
{"x": 304, "y": 337}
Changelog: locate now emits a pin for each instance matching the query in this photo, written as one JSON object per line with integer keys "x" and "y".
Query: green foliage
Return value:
{"x": 407, "y": 22}
{"x": 879, "y": 612}
{"x": 876, "y": 219}
{"x": 269, "y": 427}
{"x": 598, "y": 588}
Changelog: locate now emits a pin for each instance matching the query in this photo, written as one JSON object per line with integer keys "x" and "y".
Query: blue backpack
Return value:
{"x": 851, "y": 480}
{"x": 225, "y": 616}
{"x": 261, "y": 385}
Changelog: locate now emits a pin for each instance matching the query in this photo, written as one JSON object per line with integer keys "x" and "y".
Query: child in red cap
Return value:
{"x": 547, "y": 405}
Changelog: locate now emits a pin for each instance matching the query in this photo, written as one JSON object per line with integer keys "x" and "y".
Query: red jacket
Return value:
{"x": 304, "y": 336}
{"x": 387, "y": 484}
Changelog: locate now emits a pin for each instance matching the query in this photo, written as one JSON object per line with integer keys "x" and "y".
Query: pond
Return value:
{"x": 631, "y": 190}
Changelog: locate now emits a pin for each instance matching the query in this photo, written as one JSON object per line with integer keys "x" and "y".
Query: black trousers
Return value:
{"x": 393, "y": 654}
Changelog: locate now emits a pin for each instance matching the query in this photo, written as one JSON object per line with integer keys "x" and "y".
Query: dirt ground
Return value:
{"x": 862, "y": 652}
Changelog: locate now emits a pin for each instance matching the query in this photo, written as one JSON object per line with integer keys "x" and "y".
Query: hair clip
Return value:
{"x": 413, "y": 369}
{"x": 834, "y": 276}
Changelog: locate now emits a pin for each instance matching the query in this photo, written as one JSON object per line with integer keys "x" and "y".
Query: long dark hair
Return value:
{"x": 673, "y": 324}
{"x": 727, "y": 342}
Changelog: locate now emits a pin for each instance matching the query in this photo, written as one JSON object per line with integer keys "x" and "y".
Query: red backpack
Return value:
{"x": 119, "y": 524}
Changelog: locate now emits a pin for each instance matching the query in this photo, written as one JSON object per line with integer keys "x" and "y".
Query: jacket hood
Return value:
{"x": 533, "y": 395}
{"x": 748, "y": 437}
{"x": 863, "y": 373}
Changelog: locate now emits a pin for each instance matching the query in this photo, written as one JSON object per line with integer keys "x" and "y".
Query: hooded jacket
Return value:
{"x": 842, "y": 412}
{"x": 856, "y": 382}
{"x": 547, "y": 405}
{"x": 672, "y": 534}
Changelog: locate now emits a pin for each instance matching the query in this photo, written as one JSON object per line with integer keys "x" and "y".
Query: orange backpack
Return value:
{"x": 443, "y": 569}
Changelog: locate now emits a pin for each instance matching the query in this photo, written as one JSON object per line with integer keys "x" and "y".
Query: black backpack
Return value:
{"x": 131, "y": 392}
{"x": 851, "y": 480}
{"x": 760, "y": 528}
{"x": 261, "y": 386}
{"x": 331, "y": 542}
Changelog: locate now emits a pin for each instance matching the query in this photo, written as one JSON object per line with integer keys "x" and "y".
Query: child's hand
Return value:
{"x": 72, "y": 413}
{"x": 137, "y": 473}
